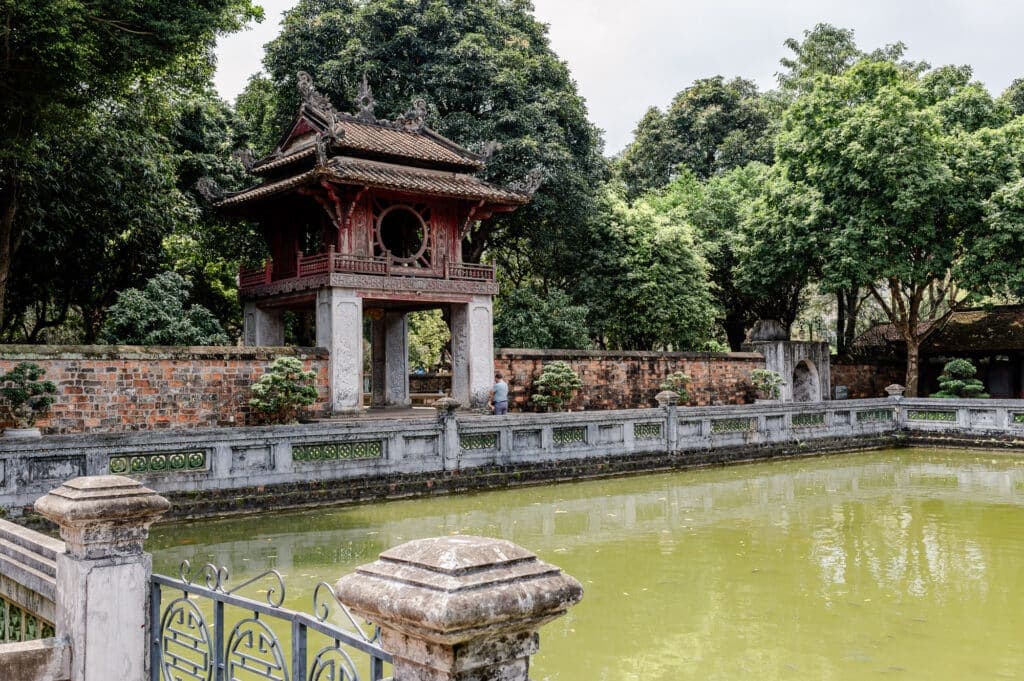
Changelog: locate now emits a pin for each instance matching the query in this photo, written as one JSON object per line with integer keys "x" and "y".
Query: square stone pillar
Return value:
{"x": 262, "y": 327}
{"x": 378, "y": 362}
{"x": 459, "y": 608}
{"x": 103, "y": 577}
{"x": 472, "y": 327}
{"x": 339, "y": 328}
{"x": 396, "y": 340}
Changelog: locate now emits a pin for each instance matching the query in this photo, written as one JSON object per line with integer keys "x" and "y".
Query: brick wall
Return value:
{"x": 867, "y": 379}
{"x": 625, "y": 380}
{"x": 120, "y": 388}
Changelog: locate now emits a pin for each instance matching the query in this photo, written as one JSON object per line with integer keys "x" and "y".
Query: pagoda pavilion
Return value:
{"x": 367, "y": 217}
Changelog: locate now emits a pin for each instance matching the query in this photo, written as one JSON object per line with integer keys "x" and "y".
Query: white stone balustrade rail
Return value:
{"x": 247, "y": 457}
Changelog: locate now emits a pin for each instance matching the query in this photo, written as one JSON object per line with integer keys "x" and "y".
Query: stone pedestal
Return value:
{"x": 262, "y": 327}
{"x": 459, "y": 608}
{"x": 472, "y": 328}
{"x": 669, "y": 401}
{"x": 339, "y": 328}
{"x": 103, "y": 578}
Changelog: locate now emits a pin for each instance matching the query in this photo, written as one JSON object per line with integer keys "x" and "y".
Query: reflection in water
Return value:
{"x": 907, "y": 562}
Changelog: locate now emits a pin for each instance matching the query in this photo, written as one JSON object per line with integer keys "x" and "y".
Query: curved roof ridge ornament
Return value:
{"x": 531, "y": 183}
{"x": 365, "y": 102}
{"x": 312, "y": 97}
{"x": 415, "y": 118}
{"x": 488, "y": 149}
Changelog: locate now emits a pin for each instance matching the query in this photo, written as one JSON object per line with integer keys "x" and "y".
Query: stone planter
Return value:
{"x": 21, "y": 434}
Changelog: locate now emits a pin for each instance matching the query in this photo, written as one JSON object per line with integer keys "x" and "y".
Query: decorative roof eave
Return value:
{"x": 386, "y": 176}
{"x": 364, "y": 132}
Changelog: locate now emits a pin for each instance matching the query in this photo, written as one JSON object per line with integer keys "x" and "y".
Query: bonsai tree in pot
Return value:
{"x": 556, "y": 385}
{"x": 280, "y": 393}
{"x": 958, "y": 380}
{"x": 25, "y": 397}
{"x": 768, "y": 383}
{"x": 677, "y": 382}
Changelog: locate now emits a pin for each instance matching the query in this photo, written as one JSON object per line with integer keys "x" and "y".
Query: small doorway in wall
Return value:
{"x": 806, "y": 385}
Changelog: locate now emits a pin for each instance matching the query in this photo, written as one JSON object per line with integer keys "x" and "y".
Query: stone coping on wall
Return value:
{"x": 527, "y": 353}
{"x": 156, "y": 352}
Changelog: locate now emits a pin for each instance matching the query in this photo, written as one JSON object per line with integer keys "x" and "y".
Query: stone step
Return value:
{"x": 33, "y": 541}
{"x": 28, "y": 557}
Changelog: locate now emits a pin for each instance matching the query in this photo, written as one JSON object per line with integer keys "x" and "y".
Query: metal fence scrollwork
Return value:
{"x": 211, "y": 633}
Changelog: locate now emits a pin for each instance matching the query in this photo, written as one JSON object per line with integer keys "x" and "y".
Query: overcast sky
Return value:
{"x": 627, "y": 55}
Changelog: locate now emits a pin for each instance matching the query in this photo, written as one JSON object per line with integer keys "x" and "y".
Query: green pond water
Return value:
{"x": 904, "y": 564}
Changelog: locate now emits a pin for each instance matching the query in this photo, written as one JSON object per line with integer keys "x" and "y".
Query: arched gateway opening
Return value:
{"x": 806, "y": 385}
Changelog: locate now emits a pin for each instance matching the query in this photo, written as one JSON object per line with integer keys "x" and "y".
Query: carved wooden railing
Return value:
{"x": 327, "y": 263}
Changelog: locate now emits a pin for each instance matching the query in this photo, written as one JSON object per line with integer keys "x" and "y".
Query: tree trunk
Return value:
{"x": 841, "y": 347}
{"x": 853, "y": 305}
{"x": 913, "y": 367}
{"x": 8, "y": 240}
{"x": 735, "y": 331}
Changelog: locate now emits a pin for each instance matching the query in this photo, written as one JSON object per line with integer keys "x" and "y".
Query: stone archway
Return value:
{"x": 806, "y": 385}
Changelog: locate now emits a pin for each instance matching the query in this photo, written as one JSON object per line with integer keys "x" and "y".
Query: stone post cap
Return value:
{"x": 451, "y": 590}
{"x": 446, "y": 405}
{"x": 103, "y": 515}
{"x": 895, "y": 390}
{"x": 667, "y": 397}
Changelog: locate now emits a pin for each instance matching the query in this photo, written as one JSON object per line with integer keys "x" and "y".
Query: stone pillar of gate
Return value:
{"x": 103, "y": 576}
{"x": 459, "y": 608}
{"x": 472, "y": 327}
{"x": 396, "y": 341}
{"x": 378, "y": 359}
{"x": 339, "y": 328}
{"x": 262, "y": 326}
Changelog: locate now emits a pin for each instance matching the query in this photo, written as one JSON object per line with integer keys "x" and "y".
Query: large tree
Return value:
{"x": 61, "y": 57}
{"x": 904, "y": 161}
{"x": 710, "y": 127}
{"x": 486, "y": 71}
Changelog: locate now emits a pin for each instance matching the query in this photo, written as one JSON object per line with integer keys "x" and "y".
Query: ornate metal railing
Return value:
{"x": 211, "y": 633}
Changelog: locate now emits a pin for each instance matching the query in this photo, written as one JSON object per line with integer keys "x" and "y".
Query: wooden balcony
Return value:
{"x": 322, "y": 264}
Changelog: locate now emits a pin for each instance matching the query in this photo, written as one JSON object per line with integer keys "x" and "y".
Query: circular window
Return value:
{"x": 401, "y": 232}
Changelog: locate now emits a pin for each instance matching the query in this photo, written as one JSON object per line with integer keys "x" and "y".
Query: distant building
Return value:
{"x": 992, "y": 338}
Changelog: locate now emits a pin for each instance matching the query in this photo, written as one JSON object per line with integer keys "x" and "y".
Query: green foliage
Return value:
{"x": 156, "y": 315}
{"x": 24, "y": 396}
{"x": 528, "y": 318}
{"x": 677, "y": 382}
{"x": 710, "y": 127}
{"x": 283, "y": 390}
{"x": 957, "y": 380}
{"x": 555, "y": 386}
{"x": 428, "y": 336}
{"x": 767, "y": 382}
{"x": 648, "y": 288}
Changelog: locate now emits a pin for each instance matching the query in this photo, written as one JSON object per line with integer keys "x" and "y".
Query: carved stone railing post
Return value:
{"x": 450, "y": 449}
{"x": 669, "y": 401}
{"x": 895, "y": 393}
{"x": 103, "y": 577}
{"x": 459, "y": 608}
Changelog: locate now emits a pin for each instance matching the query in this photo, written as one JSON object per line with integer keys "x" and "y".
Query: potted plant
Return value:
{"x": 677, "y": 382}
{"x": 24, "y": 398}
{"x": 768, "y": 384}
{"x": 280, "y": 393}
{"x": 556, "y": 385}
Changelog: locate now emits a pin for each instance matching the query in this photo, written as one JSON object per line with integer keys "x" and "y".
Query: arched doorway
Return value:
{"x": 806, "y": 386}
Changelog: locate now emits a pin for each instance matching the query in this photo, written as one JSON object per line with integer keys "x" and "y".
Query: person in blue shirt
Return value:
{"x": 499, "y": 395}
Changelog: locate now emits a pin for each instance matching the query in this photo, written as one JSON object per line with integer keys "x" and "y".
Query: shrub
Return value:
{"x": 677, "y": 382}
{"x": 958, "y": 380}
{"x": 24, "y": 396}
{"x": 156, "y": 315}
{"x": 767, "y": 382}
{"x": 556, "y": 385}
{"x": 279, "y": 394}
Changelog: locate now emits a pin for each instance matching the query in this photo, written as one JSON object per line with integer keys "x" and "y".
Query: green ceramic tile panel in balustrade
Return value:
{"x": 338, "y": 451}
{"x": 874, "y": 415}
{"x": 931, "y": 415}
{"x": 740, "y": 425}
{"x": 808, "y": 420}
{"x": 478, "y": 441}
{"x": 646, "y": 431}
{"x": 1018, "y": 419}
{"x": 569, "y": 436}
{"x": 161, "y": 462}
{"x": 18, "y": 624}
